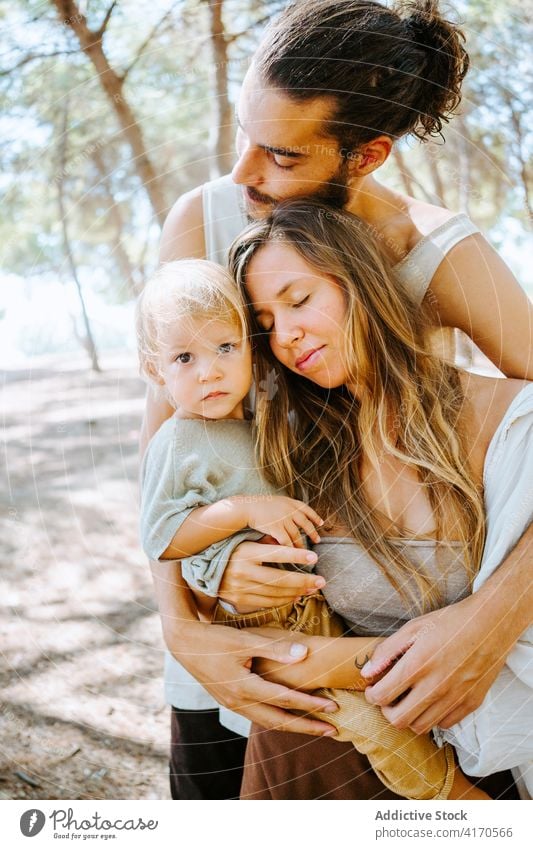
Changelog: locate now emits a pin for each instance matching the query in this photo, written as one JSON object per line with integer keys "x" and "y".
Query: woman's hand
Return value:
{"x": 443, "y": 664}
{"x": 249, "y": 585}
{"x": 282, "y": 518}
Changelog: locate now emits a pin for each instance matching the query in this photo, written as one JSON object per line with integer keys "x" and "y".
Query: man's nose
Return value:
{"x": 247, "y": 170}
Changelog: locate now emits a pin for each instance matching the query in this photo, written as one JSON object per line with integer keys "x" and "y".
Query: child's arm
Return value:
{"x": 283, "y": 518}
{"x": 330, "y": 662}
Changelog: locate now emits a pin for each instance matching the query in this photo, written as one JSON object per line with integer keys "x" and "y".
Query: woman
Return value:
{"x": 333, "y": 85}
{"x": 385, "y": 438}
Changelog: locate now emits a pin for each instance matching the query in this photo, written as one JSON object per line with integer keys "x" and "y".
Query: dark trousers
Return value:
{"x": 206, "y": 759}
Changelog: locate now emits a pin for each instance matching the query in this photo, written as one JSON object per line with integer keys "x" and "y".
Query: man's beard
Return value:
{"x": 334, "y": 193}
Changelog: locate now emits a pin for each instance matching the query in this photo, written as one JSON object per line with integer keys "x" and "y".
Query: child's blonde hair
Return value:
{"x": 192, "y": 288}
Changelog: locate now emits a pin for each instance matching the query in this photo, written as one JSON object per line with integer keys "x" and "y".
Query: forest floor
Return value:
{"x": 82, "y": 713}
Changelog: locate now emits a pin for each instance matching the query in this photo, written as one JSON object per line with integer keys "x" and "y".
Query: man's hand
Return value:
{"x": 249, "y": 585}
{"x": 221, "y": 658}
{"x": 443, "y": 663}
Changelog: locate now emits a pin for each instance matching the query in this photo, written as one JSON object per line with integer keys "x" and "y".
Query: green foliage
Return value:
{"x": 484, "y": 166}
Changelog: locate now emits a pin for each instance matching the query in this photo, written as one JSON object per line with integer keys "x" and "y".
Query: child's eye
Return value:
{"x": 227, "y": 347}
{"x": 301, "y": 303}
{"x": 184, "y": 358}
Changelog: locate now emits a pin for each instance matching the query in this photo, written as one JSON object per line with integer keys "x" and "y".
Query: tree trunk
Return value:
{"x": 440, "y": 192}
{"x": 518, "y": 147}
{"x": 127, "y": 271}
{"x": 88, "y": 342}
{"x": 223, "y": 142}
{"x": 112, "y": 84}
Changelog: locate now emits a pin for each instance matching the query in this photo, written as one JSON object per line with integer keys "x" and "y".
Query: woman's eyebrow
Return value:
{"x": 277, "y": 151}
{"x": 283, "y": 291}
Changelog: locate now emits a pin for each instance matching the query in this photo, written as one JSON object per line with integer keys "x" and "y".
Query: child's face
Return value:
{"x": 206, "y": 366}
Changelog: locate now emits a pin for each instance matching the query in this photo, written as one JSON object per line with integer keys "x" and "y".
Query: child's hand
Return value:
{"x": 284, "y": 519}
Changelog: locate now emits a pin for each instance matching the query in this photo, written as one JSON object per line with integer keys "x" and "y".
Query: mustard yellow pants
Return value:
{"x": 410, "y": 765}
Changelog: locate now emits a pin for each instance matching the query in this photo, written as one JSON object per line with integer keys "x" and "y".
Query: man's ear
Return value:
{"x": 370, "y": 156}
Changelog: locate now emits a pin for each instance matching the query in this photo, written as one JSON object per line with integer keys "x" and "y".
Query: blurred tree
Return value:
{"x": 152, "y": 85}
{"x": 87, "y": 340}
{"x": 92, "y": 44}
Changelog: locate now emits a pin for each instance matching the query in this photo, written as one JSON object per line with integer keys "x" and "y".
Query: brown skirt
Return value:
{"x": 281, "y": 765}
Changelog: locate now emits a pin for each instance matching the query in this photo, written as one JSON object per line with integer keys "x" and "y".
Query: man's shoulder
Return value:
{"x": 183, "y": 233}
{"x": 183, "y": 230}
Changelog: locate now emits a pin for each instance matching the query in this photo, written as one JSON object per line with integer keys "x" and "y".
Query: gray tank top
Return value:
{"x": 225, "y": 217}
{"x": 358, "y": 590}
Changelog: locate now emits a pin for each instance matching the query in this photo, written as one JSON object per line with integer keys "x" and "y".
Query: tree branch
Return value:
{"x": 102, "y": 28}
{"x": 88, "y": 342}
{"x": 31, "y": 57}
{"x": 231, "y": 38}
{"x": 146, "y": 42}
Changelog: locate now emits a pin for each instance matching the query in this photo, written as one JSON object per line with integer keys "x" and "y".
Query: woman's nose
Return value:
{"x": 286, "y": 337}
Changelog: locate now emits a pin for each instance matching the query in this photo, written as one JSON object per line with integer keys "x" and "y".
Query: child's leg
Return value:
{"x": 410, "y": 765}
{"x": 463, "y": 789}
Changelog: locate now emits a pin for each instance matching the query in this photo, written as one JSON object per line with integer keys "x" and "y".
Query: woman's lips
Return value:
{"x": 215, "y": 395}
{"x": 309, "y": 358}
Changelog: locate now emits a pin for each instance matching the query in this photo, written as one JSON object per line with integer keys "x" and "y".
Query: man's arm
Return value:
{"x": 330, "y": 662}
{"x": 450, "y": 657}
{"x": 474, "y": 290}
{"x": 221, "y": 659}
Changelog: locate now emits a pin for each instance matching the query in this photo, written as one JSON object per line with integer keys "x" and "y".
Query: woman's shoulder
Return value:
{"x": 489, "y": 399}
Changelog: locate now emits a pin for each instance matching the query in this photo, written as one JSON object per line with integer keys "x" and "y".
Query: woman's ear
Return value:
{"x": 370, "y": 156}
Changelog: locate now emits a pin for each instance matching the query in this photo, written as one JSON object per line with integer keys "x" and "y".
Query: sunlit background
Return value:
{"x": 67, "y": 146}
{"x": 97, "y": 144}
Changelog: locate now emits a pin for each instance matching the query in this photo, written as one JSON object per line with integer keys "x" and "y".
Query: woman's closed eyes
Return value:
{"x": 268, "y": 327}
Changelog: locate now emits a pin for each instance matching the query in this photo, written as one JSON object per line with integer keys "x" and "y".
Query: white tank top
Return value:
{"x": 225, "y": 217}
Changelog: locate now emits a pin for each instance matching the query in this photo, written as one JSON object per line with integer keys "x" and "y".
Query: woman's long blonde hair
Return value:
{"x": 311, "y": 440}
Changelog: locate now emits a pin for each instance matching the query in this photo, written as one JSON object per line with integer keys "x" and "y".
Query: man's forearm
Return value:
{"x": 506, "y": 598}
{"x": 157, "y": 411}
{"x": 174, "y": 598}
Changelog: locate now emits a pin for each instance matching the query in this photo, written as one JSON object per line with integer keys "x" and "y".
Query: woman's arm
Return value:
{"x": 330, "y": 662}
{"x": 474, "y": 290}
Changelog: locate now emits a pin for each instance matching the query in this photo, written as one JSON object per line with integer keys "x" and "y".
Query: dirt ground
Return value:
{"x": 82, "y": 714}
